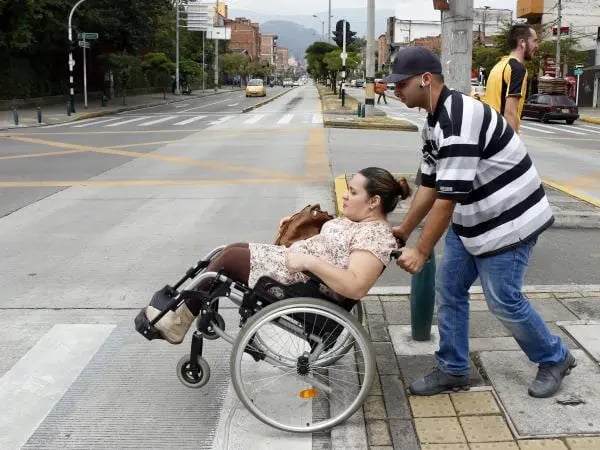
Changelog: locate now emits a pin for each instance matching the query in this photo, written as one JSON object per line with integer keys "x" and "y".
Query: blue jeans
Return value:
{"x": 502, "y": 276}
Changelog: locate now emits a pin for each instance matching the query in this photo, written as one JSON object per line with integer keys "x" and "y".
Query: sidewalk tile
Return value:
{"x": 539, "y": 295}
{"x": 386, "y": 360}
{"x": 378, "y": 432}
{"x": 439, "y": 430}
{"x": 474, "y": 403}
{"x": 542, "y": 444}
{"x": 381, "y": 447}
{"x": 432, "y": 406}
{"x": 376, "y": 387}
{"x": 485, "y": 428}
{"x": 394, "y": 395}
{"x": 374, "y": 407}
{"x": 372, "y": 305}
{"x": 485, "y": 324}
{"x": 493, "y": 343}
{"x": 397, "y": 312}
{"x": 377, "y": 328}
{"x": 477, "y": 297}
{"x": 584, "y": 443}
{"x": 591, "y": 293}
{"x": 494, "y": 446}
{"x": 403, "y": 434}
{"x": 444, "y": 447}
{"x": 415, "y": 367}
{"x": 561, "y": 295}
{"x": 557, "y": 330}
{"x": 478, "y": 305}
{"x": 552, "y": 310}
{"x": 585, "y": 308}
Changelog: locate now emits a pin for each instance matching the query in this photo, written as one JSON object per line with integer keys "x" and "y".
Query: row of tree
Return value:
{"x": 325, "y": 62}
{"x": 136, "y": 46}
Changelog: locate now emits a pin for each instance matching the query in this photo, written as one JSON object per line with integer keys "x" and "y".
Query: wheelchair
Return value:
{"x": 300, "y": 361}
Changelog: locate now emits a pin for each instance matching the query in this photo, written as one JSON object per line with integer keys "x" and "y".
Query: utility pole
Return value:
{"x": 329, "y": 24}
{"x": 370, "y": 74}
{"x": 71, "y": 60}
{"x": 177, "y": 47}
{"x": 218, "y": 17}
{"x": 457, "y": 44}
{"x": 557, "y": 62}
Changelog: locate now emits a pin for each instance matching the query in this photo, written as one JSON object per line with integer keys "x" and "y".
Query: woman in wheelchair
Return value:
{"x": 348, "y": 255}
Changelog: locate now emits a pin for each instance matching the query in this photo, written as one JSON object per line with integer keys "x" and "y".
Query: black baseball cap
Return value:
{"x": 413, "y": 61}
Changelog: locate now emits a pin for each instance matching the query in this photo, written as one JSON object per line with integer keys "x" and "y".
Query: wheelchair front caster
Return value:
{"x": 206, "y": 327}
{"x": 193, "y": 375}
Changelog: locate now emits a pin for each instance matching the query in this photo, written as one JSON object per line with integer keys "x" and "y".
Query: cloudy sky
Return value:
{"x": 412, "y": 9}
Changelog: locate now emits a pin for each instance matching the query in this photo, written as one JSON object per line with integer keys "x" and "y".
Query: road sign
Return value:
{"x": 84, "y": 44}
{"x": 88, "y": 36}
{"x": 578, "y": 71}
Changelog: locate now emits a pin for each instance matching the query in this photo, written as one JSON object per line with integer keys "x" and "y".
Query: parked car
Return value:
{"x": 546, "y": 107}
{"x": 288, "y": 83}
{"x": 256, "y": 88}
{"x": 360, "y": 83}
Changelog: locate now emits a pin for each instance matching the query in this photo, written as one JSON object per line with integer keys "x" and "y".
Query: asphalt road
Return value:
{"x": 95, "y": 216}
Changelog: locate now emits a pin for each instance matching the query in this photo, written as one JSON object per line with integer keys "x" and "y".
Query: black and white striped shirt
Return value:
{"x": 471, "y": 155}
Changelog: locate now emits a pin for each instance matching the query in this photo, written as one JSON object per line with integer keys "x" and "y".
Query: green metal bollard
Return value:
{"x": 68, "y": 108}
{"x": 16, "y": 116}
{"x": 358, "y": 113}
{"x": 363, "y": 112}
{"x": 39, "y": 115}
{"x": 422, "y": 301}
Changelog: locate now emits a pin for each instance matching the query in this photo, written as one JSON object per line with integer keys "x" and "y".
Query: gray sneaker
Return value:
{"x": 549, "y": 377}
{"x": 437, "y": 381}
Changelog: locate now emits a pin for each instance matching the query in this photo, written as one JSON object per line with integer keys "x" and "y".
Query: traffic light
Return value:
{"x": 338, "y": 34}
{"x": 350, "y": 35}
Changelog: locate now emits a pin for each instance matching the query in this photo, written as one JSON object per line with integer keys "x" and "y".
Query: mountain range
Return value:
{"x": 297, "y": 32}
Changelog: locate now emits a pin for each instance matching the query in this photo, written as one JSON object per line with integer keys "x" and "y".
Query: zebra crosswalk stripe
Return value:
{"x": 536, "y": 129}
{"x": 561, "y": 129}
{"x": 590, "y": 129}
{"x": 254, "y": 119}
{"x": 317, "y": 118}
{"x": 190, "y": 120}
{"x": 285, "y": 119}
{"x": 154, "y": 122}
{"x": 136, "y": 119}
{"x": 87, "y": 124}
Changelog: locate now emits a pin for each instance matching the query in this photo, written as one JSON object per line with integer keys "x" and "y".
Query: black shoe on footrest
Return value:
{"x": 142, "y": 325}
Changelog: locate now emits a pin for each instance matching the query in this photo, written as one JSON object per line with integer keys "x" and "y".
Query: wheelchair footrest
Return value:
{"x": 142, "y": 325}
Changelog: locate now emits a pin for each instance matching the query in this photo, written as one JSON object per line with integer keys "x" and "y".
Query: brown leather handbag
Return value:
{"x": 304, "y": 224}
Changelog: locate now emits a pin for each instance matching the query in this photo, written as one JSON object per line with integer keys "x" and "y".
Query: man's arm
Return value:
{"x": 413, "y": 259}
{"x": 419, "y": 207}
{"x": 510, "y": 112}
{"x": 518, "y": 75}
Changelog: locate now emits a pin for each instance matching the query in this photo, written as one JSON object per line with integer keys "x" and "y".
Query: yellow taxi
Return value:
{"x": 256, "y": 88}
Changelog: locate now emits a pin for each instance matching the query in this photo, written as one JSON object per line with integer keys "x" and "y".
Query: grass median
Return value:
{"x": 337, "y": 116}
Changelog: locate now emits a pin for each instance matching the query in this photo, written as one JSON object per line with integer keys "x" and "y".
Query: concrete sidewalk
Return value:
{"x": 590, "y": 115}
{"x": 497, "y": 412}
{"x": 57, "y": 113}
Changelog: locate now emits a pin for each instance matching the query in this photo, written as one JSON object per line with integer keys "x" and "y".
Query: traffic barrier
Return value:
{"x": 422, "y": 301}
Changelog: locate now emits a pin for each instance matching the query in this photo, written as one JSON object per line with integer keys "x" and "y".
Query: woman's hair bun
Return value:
{"x": 404, "y": 188}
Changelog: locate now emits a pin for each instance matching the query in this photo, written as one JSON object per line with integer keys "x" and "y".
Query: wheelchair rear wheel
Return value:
{"x": 291, "y": 380}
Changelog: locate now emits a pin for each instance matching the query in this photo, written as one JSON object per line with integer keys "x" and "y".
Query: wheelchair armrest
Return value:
{"x": 313, "y": 277}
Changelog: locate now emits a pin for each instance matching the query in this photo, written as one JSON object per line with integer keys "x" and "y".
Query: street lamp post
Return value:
{"x": 71, "y": 60}
{"x": 322, "y": 27}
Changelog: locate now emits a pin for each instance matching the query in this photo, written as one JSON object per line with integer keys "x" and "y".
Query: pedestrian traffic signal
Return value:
{"x": 338, "y": 34}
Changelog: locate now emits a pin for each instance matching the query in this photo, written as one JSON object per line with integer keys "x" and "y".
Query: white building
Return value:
{"x": 581, "y": 16}
{"x": 486, "y": 21}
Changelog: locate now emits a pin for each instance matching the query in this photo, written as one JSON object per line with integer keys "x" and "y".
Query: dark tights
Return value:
{"x": 233, "y": 262}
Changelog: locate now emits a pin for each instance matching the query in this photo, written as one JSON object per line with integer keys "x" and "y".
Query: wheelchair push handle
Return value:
{"x": 395, "y": 254}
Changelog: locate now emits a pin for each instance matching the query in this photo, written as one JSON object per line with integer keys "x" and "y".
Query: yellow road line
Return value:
{"x": 317, "y": 160}
{"x": 159, "y": 157}
{"x": 133, "y": 183}
{"x": 39, "y": 155}
{"x": 341, "y": 187}
{"x": 203, "y": 130}
{"x": 572, "y": 193}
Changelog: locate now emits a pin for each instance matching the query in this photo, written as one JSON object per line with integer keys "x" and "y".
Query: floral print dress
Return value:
{"x": 337, "y": 240}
